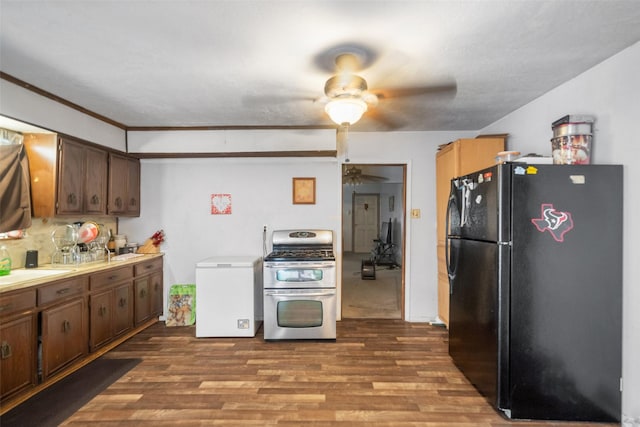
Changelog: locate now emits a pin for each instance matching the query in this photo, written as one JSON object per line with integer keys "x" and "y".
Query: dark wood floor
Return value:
{"x": 377, "y": 373}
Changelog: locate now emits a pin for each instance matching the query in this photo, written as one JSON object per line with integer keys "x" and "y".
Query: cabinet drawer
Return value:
{"x": 62, "y": 290}
{"x": 110, "y": 277}
{"x": 148, "y": 266}
{"x": 13, "y": 303}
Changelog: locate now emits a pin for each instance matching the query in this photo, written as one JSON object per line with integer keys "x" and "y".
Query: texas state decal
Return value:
{"x": 555, "y": 222}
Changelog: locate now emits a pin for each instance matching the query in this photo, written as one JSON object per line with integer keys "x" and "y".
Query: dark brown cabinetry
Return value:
{"x": 47, "y": 330}
{"x": 124, "y": 185}
{"x": 68, "y": 177}
{"x": 18, "y": 340}
{"x": 110, "y": 305}
{"x": 64, "y": 332}
{"x": 148, "y": 289}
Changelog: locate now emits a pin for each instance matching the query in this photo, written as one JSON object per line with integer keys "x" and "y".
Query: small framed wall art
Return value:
{"x": 220, "y": 204}
{"x": 304, "y": 191}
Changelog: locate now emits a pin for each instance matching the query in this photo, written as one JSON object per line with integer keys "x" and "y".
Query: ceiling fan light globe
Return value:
{"x": 345, "y": 110}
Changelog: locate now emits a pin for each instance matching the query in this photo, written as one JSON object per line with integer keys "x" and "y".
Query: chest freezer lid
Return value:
{"x": 229, "y": 261}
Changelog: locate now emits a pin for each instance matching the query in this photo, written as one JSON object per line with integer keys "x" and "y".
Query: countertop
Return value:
{"x": 24, "y": 278}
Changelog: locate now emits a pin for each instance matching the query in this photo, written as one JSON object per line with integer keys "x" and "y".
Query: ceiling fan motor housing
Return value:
{"x": 343, "y": 85}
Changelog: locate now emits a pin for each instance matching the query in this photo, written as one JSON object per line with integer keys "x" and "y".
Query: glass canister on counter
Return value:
{"x": 120, "y": 241}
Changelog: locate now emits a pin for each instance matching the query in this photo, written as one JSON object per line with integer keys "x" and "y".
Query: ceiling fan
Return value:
{"x": 352, "y": 175}
{"x": 347, "y": 96}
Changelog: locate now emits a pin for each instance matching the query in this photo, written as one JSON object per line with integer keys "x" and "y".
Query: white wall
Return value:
{"x": 175, "y": 196}
{"x": 417, "y": 150}
{"x": 610, "y": 92}
{"x": 24, "y": 105}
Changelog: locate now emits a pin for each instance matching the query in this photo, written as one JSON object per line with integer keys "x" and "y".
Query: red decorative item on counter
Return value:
{"x": 152, "y": 245}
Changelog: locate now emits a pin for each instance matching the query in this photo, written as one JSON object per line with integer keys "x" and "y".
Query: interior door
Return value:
{"x": 366, "y": 220}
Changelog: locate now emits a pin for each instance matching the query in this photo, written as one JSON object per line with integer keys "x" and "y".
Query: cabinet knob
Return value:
{"x": 133, "y": 202}
{"x": 95, "y": 200}
{"x": 143, "y": 293}
{"x": 72, "y": 199}
{"x": 5, "y": 350}
{"x": 66, "y": 326}
{"x": 122, "y": 302}
{"x": 118, "y": 202}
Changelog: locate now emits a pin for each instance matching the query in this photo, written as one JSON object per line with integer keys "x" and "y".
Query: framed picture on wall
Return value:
{"x": 304, "y": 191}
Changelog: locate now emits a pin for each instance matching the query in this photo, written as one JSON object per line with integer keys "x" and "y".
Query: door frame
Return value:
{"x": 403, "y": 215}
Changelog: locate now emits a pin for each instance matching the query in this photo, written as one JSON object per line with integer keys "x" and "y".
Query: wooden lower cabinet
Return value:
{"x": 18, "y": 350}
{"x": 64, "y": 335}
{"x": 48, "y": 329}
{"x": 123, "y": 309}
{"x": 148, "y": 297}
{"x": 148, "y": 287}
{"x": 110, "y": 305}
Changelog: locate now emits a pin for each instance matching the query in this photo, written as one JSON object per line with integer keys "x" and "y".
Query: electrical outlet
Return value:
{"x": 243, "y": 323}
{"x": 415, "y": 213}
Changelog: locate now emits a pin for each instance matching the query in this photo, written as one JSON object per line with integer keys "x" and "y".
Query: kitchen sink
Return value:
{"x": 23, "y": 275}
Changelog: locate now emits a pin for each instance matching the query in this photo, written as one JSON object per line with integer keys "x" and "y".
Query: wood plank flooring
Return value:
{"x": 378, "y": 373}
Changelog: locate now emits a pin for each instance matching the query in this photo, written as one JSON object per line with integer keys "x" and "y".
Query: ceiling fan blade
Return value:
{"x": 384, "y": 119}
{"x": 448, "y": 89}
{"x": 253, "y": 100}
{"x": 373, "y": 178}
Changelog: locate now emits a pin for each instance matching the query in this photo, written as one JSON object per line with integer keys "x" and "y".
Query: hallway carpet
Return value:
{"x": 370, "y": 299}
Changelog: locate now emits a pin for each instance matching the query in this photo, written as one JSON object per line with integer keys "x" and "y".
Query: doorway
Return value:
{"x": 373, "y": 212}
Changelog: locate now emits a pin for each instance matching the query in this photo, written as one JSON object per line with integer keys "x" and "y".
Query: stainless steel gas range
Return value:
{"x": 299, "y": 280}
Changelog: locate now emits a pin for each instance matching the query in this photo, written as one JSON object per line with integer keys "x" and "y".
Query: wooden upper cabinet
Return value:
{"x": 124, "y": 185}
{"x": 71, "y": 178}
{"x": 458, "y": 158}
{"x": 133, "y": 188}
{"x": 96, "y": 170}
{"x": 68, "y": 177}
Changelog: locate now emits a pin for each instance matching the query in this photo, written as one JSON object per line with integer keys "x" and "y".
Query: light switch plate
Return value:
{"x": 415, "y": 213}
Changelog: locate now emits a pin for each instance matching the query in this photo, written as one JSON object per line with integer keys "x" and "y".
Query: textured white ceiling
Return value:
{"x": 263, "y": 63}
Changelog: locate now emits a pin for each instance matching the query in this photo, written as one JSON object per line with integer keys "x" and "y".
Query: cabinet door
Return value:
{"x": 156, "y": 294}
{"x": 123, "y": 309}
{"x": 64, "y": 335}
{"x": 95, "y": 194}
{"x": 133, "y": 188}
{"x": 142, "y": 298}
{"x": 17, "y": 354}
{"x": 118, "y": 177}
{"x": 101, "y": 318}
{"x": 71, "y": 178}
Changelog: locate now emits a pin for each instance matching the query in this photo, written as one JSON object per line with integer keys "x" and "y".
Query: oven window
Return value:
{"x": 299, "y": 314}
{"x": 299, "y": 275}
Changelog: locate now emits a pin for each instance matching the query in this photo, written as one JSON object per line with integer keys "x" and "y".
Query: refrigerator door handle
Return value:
{"x": 451, "y": 269}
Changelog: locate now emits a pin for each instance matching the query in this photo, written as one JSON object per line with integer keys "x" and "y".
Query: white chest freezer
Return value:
{"x": 228, "y": 296}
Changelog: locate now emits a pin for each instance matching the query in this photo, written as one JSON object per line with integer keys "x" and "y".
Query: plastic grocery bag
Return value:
{"x": 182, "y": 305}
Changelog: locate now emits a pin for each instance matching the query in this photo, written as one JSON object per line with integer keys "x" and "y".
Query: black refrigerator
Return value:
{"x": 534, "y": 254}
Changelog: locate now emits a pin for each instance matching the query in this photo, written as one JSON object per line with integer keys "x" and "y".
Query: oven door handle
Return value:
{"x": 288, "y": 293}
{"x": 305, "y": 266}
